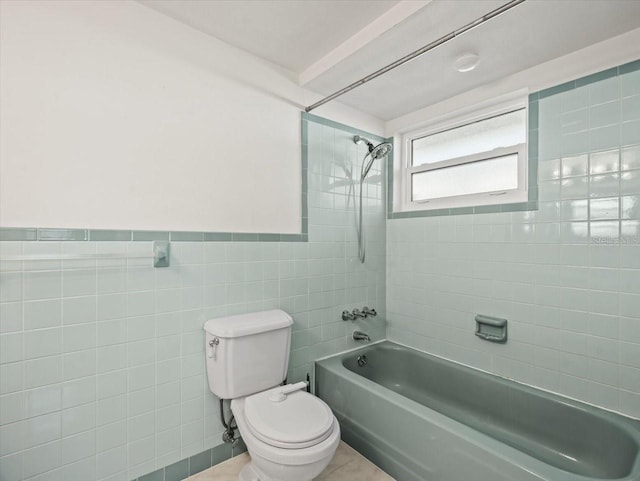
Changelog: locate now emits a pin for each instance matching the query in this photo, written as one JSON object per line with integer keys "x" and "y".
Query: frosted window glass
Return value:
{"x": 497, "y": 174}
{"x": 482, "y": 136}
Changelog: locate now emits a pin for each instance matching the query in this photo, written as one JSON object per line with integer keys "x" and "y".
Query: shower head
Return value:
{"x": 375, "y": 152}
{"x": 381, "y": 150}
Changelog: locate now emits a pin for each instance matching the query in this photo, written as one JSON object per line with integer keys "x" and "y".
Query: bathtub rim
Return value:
{"x": 630, "y": 425}
{"x": 459, "y": 363}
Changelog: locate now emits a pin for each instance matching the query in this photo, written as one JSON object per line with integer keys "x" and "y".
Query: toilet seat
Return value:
{"x": 300, "y": 420}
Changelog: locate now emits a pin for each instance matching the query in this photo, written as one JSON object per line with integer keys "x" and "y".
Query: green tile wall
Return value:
{"x": 566, "y": 275}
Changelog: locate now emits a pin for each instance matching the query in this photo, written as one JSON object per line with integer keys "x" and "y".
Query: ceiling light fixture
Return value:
{"x": 467, "y": 62}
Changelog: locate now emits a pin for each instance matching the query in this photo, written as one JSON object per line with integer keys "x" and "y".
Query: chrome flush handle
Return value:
{"x": 212, "y": 345}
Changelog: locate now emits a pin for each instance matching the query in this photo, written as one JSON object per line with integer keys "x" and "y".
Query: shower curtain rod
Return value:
{"x": 417, "y": 53}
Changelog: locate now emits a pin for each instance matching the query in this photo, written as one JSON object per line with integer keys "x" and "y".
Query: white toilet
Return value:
{"x": 291, "y": 435}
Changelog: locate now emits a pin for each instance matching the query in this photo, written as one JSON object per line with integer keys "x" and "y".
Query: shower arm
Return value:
{"x": 359, "y": 140}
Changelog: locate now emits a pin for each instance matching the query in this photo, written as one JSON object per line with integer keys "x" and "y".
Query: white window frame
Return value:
{"x": 403, "y": 201}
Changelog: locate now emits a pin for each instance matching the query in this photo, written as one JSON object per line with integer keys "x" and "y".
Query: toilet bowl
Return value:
{"x": 289, "y": 440}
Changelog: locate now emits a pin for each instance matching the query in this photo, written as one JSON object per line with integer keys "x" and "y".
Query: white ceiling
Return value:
{"x": 532, "y": 33}
{"x": 289, "y": 33}
{"x": 332, "y": 43}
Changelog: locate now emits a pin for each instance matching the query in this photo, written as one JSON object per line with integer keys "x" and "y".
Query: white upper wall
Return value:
{"x": 114, "y": 116}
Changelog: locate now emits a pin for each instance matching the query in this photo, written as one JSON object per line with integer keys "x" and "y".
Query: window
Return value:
{"x": 474, "y": 160}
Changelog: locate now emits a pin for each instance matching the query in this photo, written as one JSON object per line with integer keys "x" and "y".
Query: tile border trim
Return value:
{"x": 46, "y": 234}
{"x": 532, "y": 204}
{"x": 194, "y": 464}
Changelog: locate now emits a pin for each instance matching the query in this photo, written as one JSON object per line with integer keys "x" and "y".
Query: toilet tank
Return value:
{"x": 249, "y": 352}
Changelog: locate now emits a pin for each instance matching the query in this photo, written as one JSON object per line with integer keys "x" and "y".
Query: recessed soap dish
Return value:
{"x": 492, "y": 329}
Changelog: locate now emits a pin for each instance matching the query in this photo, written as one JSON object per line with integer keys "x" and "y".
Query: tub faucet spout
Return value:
{"x": 361, "y": 336}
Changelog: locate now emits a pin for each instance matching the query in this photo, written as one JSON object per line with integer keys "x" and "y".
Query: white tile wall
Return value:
{"x": 102, "y": 371}
{"x": 566, "y": 276}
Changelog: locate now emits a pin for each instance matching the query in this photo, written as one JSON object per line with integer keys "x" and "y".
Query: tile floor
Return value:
{"x": 347, "y": 465}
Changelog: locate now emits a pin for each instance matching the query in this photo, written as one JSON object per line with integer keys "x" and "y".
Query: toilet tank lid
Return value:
{"x": 248, "y": 324}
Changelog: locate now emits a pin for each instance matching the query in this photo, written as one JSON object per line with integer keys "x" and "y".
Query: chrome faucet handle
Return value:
{"x": 359, "y": 313}
{"x": 369, "y": 312}
{"x": 347, "y": 316}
